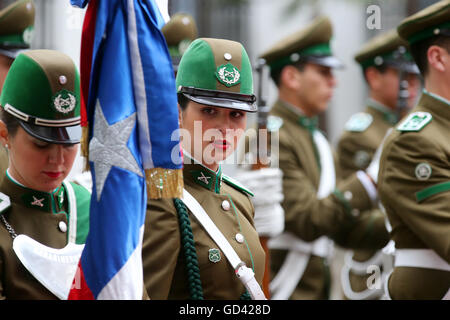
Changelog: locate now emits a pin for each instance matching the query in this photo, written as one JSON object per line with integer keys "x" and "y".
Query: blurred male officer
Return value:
{"x": 316, "y": 207}
{"x": 414, "y": 175}
{"x": 179, "y": 32}
{"x": 384, "y": 59}
{"x": 16, "y": 29}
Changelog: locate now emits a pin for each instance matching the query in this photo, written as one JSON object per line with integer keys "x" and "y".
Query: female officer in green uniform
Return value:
{"x": 39, "y": 213}
{"x": 181, "y": 259}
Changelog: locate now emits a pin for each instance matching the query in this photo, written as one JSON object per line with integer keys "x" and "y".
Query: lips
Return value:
{"x": 52, "y": 174}
{"x": 221, "y": 144}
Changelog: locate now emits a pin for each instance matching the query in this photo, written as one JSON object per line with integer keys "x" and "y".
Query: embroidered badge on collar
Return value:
{"x": 64, "y": 101}
{"x": 37, "y": 202}
{"x": 214, "y": 255}
{"x": 203, "y": 178}
{"x": 228, "y": 75}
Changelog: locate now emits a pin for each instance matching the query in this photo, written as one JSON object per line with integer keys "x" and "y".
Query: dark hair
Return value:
{"x": 419, "y": 50}
{"x": 182, "y": 101}
{"x": 11, "y": 122}
{"x": 275, "y": 74}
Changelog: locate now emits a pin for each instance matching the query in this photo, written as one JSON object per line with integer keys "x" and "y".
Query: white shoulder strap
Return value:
{"x": 244, "y": 273}
{"x": 72, "y": 236}
{"x": 328, "y": 173}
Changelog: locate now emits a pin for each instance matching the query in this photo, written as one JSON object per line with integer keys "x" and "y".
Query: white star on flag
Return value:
{"x": 108, "y": 147}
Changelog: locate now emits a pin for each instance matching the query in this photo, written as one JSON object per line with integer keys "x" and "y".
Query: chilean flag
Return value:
{"x": 129, "y": 95}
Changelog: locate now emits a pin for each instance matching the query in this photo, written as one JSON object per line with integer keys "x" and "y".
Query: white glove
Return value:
{"x": 266, "y": 184}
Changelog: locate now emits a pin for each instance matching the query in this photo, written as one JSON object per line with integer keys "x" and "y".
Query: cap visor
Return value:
{"x": 59, "y": 135}
{"x": 11, "y": 53}
{"x": 409, "y": 67}
{"x": 223, "y": 103}
{"x": 327, "y": 61}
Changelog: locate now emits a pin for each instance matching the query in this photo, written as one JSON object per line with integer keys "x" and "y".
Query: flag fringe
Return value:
{"x": 164, "y": 183}
{"x": 85, "y": 147}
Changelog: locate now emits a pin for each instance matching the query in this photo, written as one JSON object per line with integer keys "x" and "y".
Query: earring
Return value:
{"x": 6, "y": 146}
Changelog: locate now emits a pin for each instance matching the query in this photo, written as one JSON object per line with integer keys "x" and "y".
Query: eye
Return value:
{"x": 69, "y": 146}
{"x": 41, "y": 144}
{"x": 236, "y": 114}
{"x": 209, "y": 110}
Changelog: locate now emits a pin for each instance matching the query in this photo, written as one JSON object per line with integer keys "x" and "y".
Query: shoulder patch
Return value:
{"x": 5, "y": 203}
{"x": 274, "y": 123}
{"x": 359, "y": 122}
{"x": 416, "y": 121}
{"x": 237, "y": 185}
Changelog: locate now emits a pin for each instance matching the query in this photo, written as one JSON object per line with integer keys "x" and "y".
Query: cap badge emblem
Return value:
{"x": 228, "y": 75}
{"x": 27, "y": 35}
{"x": 64, "y": 101}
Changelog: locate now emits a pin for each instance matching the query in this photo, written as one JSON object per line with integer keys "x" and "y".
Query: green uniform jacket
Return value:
{"x": 355, "y": 152}
{"x": 419, "y": 209}
{"x": 41, "y": 224}
{"x": 229, "y": 206}
{"x": 308, "y": 217}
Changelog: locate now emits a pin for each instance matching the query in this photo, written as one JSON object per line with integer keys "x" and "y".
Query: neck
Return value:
{"x": 211, "y": 166}
{"x": 438, "y": 85}
{"x": 379, "y": 98}
{"x": 292, "y": 98}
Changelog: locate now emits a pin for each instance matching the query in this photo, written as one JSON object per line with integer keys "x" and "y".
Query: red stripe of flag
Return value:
{"x": 87, "y": 46}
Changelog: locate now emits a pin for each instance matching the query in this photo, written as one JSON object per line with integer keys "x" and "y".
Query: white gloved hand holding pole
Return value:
{"x": 266, "y": 184}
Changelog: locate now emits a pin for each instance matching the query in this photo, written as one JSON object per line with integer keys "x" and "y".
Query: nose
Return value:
{"x": 332, "y": 80}
{"x": 56, "y": 154}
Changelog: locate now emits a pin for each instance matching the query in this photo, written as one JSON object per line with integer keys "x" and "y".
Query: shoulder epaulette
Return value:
{"x": 237, "y": 185}
{"x": 274, "y": 123}
{"x": 416, "y": 121}
{"x": 5, "y": 203}
{"x": 359, "y": 122}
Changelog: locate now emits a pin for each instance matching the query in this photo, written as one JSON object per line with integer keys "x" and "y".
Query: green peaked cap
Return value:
{"x": 45, "y": 85}
{"x": 431, "y": 21}
{"x": 16, "y": 25}
{"x": 311, "y": 43}
{"x": 42, "y": 89}
{"x": 217, "y": 72}
{"x": 384, "y": 49}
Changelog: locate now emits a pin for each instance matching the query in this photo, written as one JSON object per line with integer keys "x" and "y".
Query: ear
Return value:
{"x": 289, "y": 77}
{"x": 437, "y": 58}
{"x": 4, "y": 135}
{"x": 373, "y": 78}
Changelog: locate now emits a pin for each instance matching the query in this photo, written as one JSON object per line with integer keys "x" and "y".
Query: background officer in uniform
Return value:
{"x": 414, "y": 174}
{"x": 181, "y": 261}
{"x": 16, "y": 28}
{"x": 179, "y": 32}
{"x": 383, "y": 62}
{"x": 40, "y": 126}
{"x": 317, "y": 205}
